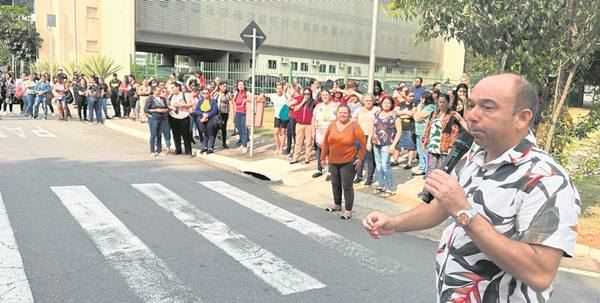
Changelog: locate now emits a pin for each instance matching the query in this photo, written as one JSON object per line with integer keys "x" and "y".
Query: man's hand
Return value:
{"x": 378, "y": 224}
{"x": 447, "y": 191}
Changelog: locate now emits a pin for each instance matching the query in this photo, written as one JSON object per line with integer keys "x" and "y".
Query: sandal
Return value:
{"x": 333, "y": 209}
{"x": 346, "y": 216}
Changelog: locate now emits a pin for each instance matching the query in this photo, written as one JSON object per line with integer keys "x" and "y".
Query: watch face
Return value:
{"x": 462, "y": 219}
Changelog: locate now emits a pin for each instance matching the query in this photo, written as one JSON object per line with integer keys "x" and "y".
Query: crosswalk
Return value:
{"x": 149, "y": 277}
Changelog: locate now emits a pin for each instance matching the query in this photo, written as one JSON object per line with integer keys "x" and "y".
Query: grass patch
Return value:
{"x": 589, "y": 189}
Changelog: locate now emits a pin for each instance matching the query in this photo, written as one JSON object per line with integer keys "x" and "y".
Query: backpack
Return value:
{"x": 284, "y": 113}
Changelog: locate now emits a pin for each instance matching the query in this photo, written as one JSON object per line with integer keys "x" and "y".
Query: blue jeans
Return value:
{"x": 105, "y": 106}
{"x": 240, "y": 124}
{"x": 422, "y": 154}
{"x": 95, "y": 106}
{"x": 28, "y": 99}
{"x": 383, "y": 170}
{"x": 36, "y": 106}
{"x": 156, "y": 127}
{"x": 166, "y": 132}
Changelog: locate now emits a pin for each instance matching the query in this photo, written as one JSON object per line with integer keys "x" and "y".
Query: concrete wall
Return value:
{"x": 86, "y": 28}
{"x": 333, "y": 26}
{"x": 118, "y": 31}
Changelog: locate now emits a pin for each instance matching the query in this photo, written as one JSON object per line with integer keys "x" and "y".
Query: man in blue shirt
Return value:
{"x": 418, "y": 90}
{"x": 42, "y": 88}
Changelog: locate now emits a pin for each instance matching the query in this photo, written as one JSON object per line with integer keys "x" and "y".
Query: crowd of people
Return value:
{"x": 362, "y": 136}
{"x": 357, "y": 135}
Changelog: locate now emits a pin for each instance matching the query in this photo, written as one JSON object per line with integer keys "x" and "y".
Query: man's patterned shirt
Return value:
{"x": 527, "y": 197}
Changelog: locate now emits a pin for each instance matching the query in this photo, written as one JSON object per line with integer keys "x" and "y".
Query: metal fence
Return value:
{"x": 267, "y": 78}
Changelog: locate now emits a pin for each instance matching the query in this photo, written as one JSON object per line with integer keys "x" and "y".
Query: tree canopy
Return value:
{"x": 539, "y": 39}
{"x": 18, "y": 33}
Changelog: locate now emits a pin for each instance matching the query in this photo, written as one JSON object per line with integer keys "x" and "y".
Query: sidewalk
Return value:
{"x": 294, "y": 180}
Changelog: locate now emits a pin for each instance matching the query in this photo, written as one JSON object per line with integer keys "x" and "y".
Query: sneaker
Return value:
{"x": 368, "y": 182}
{"x": 417, "y": 172}
{"x": 328, "y": 177}
{"x": 209, "y": 151}
{"x": 357, "y": 180}
{"x": 394, "y": 163}
{"x": 317, "y": 174}
{"x": 244, "y": 150}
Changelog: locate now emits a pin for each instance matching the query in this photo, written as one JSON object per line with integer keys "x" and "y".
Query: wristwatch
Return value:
{"x": 464, "y": 217}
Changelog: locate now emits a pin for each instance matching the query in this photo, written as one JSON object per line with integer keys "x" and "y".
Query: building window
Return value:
{"x": 92, "y": 45}
{"x": 332, "y": 69}
{"x": 315, "y": 28}
{"x": 349, "y": 70}
{"x": 388, "y": 69}
{"x": 92, "y": 12}
{"x": 357, "y": 71}
{"x": 304, "y": 66}
{"x": 322, "y": 68}
{"x": 306, "y": 26}
{"x": 378, "y": 68}
{"x": 272, "y": 64}
{"x": 294, "y": 66}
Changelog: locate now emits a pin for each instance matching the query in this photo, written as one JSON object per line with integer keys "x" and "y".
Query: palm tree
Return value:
{"x": 100, "y": 66}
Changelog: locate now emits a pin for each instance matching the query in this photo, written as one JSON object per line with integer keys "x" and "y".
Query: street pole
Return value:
{"x": 253, "y": 92}
{"x": 12, "y": 57}
{"x": 373, "y": 41}
{"x": 76, "y": 42}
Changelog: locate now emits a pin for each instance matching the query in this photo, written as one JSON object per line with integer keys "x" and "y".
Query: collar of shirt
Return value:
{"x": 515, "y": 156}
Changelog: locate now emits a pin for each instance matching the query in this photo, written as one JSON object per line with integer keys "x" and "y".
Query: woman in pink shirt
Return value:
{"x": 239, "y": 103}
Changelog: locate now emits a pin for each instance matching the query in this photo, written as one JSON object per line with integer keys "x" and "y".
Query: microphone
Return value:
{"x": 459, "y": 149}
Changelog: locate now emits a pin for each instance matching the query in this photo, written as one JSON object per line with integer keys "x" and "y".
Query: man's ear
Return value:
{"x": 523, "y": 118}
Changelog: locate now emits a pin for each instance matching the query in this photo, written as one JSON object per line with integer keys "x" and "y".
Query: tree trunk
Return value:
{"x": 503, "y": 62}
{"x": 558, "y": 108}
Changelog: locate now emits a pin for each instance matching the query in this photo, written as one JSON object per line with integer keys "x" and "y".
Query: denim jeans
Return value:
{"x": 208, "y": 131}
{"x": 369, "y": 162}
{"x": 240, "y": 124}
{"x": 91, "y": 107}
{"x": 422, "y": 154}
{"x": 383, "y": 170}
{"x": 166, "y": 132}
{"x": 36, "y": 106}
{"x": 105, "y": 107}
{"x": 156, "y": 128}
{"x": 29, "y": 99}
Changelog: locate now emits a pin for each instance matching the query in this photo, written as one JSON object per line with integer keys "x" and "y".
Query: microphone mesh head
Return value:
{"x": 464, "y": 141}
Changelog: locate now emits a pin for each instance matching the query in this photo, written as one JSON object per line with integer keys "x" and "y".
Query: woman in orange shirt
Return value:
{"x": 343, "y": 148}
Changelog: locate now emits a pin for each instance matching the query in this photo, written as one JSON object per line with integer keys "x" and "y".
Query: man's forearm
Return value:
{"x": 421, "y": 217}
{"x": 526, "y": 262}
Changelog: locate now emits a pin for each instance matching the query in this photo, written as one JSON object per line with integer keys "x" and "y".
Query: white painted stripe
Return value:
{"x": 43, "y": 133}
{"x": 145, "y": 273}
{"x": 579, "y": 272}
{"x": 264, "y": 264}
{"x": 14, "y": 286}
{"x": 324, "y": 236}
{"x": 17, "y": 131}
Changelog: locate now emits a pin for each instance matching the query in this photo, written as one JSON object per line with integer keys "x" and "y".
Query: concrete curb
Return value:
{"x": 261, "y": 166}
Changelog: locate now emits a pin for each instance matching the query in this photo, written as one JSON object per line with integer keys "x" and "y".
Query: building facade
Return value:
{"x": 313, "y": 37}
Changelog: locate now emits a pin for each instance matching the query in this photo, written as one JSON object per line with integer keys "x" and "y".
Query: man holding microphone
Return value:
{"x": 514, "y": 208}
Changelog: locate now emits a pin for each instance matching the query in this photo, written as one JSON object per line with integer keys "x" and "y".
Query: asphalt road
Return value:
{"x": 96, "y": 219}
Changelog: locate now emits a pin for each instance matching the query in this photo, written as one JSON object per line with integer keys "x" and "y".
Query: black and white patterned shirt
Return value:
{"x": 527, "y": 197}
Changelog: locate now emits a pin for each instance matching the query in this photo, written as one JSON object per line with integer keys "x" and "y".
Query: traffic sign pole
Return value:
{"x": 253, "y": 92}
{"x": 253, "y": 37}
